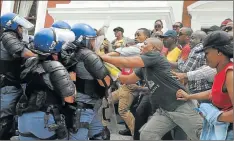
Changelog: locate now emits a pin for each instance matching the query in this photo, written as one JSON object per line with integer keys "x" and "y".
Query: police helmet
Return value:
{"x": 11, "y": 21}
{"x": 84, "y": 33}
{"x": 61, "y": 24}
{"x": 50, "y": 40}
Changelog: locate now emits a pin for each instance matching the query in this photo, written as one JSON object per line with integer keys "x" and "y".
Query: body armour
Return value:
{"x": 88, "y": 67}
{"x": 10, "y": 58}
{"x": 48, "y": 82}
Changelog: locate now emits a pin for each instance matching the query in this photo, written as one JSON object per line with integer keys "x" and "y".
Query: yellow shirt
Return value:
{"x": 174, "y": 55}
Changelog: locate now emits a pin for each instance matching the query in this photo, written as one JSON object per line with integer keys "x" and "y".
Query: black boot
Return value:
{"x": 125, "y": 132}
{"x": 106, "y": 135}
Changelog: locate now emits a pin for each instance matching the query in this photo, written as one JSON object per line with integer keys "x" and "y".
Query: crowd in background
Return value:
{"x": 180, "y": 47}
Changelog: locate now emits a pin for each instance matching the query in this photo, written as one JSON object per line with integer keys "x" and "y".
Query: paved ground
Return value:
{"x": 116, "y": 136}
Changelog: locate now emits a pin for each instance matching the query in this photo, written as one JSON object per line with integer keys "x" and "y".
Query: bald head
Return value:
{"x": 199, "y": 34}
{"x": 184, "y": 36}
{"x": 186, "y": 31}
{"x": 157, "y": 44}
{"x": 151, "y": 44}
{"x": 197, "y": 37}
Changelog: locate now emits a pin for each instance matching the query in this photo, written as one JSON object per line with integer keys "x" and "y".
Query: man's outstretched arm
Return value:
{"x": 124, "y": 62}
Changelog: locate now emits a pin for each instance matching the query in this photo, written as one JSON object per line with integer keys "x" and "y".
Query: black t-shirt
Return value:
{"x": 158, "y": 76}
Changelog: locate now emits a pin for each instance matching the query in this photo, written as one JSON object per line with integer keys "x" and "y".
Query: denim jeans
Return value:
{"x": 230, "y": 135}
{"x": 9, "y": 96}
{"x": 34, "y": 123}
{"x": 95, "y": 126}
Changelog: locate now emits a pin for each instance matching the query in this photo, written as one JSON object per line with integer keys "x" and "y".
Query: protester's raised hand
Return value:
{"x": 182, "y": 95}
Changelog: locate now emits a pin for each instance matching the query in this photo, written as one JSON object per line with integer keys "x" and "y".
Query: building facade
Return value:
{"x": 130, "y": 15}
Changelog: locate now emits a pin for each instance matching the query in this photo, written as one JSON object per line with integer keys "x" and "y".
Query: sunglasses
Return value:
{"x": 157, "y": 26}
{"x": 228, "y": 28}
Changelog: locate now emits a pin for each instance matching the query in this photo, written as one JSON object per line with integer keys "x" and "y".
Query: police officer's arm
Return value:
{"x": 60, "y": 80}
{"x": 124, "y": 62}
{"x": 107, "y": 80}
{"x": 14, "y": 46}
{"x": 26, "y": 53}
{"x": 95, "y": 66}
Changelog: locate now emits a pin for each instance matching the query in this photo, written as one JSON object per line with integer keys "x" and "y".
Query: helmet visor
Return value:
{"x": 64, "y": 35}
{"x": 25, "y": 35}
{"x": 98, "y": 43}
{"x": 23, "y": 22}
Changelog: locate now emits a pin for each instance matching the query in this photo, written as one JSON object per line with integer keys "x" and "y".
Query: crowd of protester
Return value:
{"x": 189, "y": 65}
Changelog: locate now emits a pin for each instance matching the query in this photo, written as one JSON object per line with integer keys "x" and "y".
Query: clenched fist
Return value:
{"x": 182, "y": 95}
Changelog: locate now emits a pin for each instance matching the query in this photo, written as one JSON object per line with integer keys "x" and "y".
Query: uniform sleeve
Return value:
{"x": 12, "y": 44}
{"x": 93, "y": 64}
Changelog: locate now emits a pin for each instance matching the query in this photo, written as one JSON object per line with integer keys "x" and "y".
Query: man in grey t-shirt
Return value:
{"x": 155, "y": 70}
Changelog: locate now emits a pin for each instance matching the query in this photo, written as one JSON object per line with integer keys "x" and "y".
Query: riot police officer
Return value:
{"x": 92, "y": 81}
{"x": 12, "y": 51}
{"x": 49, "y": 89}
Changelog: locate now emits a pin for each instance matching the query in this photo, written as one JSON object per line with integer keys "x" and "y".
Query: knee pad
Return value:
{"x": 104, "y": 135}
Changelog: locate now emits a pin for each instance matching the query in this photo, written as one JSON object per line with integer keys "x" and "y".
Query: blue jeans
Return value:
{"x": 34, "y": 123}
{"x": 230, "y": 135}
{"x": 9, "y": 96}
{"x": 95, "y": 126}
